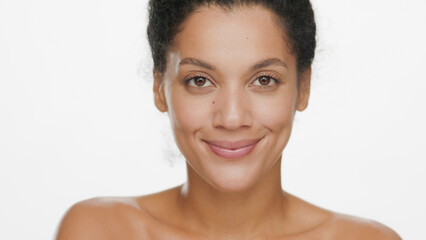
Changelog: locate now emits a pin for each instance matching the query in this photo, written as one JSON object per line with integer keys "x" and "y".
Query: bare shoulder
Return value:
{"x": 101, "y": 218}
{"x": 143, "y": 217}
{"x": 350, "y": 227}
{"x": 319, "y": 223}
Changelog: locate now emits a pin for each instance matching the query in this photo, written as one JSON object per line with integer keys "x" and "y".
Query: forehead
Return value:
{"x": 239, "y": 36}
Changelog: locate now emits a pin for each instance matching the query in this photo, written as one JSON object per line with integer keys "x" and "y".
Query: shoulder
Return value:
{"x": 100, "y": 218}
{"x": 350, "y": 227}
{"x": 321, "y": 223}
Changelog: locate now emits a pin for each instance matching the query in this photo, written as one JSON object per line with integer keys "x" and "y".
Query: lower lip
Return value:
{"x": 232, "y": 153}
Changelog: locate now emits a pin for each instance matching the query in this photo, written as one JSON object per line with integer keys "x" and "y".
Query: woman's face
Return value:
{"x": 231, "y": 93}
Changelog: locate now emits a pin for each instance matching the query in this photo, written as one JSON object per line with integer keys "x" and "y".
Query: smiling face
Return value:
{"x": 231, "y": 93}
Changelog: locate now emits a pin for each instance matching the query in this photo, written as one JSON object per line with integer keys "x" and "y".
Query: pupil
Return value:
{"x": 264, "y": 80}
{"x": 200, "y": 81}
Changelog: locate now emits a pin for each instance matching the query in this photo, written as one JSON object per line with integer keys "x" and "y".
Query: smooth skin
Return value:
{"x": 230, "y": 76}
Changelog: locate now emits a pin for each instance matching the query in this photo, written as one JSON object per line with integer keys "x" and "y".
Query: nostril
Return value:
{"x": 232, "y": 110}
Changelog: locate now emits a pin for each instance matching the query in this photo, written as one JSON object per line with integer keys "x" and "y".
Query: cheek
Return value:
{"x": 188, "y": 113}
{"x": 276, "y": 112}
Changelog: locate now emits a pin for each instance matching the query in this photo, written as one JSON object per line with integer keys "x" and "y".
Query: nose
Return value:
{"x": 232, "y": 109}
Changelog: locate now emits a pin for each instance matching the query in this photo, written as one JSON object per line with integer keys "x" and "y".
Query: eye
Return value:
{"x": 265, "y": 81}
{"x": 198, "y": 81}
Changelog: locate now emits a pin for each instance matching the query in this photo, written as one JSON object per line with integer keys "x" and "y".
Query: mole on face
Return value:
{"x": 213, "y": 102}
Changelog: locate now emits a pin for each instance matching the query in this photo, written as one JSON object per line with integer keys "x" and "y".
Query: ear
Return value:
{"x": 159, "y": 95}
{"x": 304, "y": 89}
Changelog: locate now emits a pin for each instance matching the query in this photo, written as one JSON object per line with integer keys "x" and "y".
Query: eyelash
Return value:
{"x": 272, "y": 76}
{"x": 193, "y": 77}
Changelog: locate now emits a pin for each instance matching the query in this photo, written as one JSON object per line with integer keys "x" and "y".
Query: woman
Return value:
{"x": 231, "y": 76}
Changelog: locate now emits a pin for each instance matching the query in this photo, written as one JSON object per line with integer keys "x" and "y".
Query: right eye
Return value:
{"x": 198, "y": 81}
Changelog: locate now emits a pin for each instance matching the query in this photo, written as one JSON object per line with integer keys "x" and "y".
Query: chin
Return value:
{"x": 233, "y": 175}
{"x": 234, "y": 179}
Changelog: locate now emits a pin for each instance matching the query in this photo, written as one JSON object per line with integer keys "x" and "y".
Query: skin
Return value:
{"x": 239, "y": 96}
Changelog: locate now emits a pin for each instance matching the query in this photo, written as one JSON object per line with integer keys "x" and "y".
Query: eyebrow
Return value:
{"x": 261, "y": 64}
{"x": 196, "y": 62}
{"x": 269, "y": 62}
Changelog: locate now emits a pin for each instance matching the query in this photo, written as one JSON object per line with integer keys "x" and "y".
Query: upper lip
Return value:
{"x": 233, "y": 145}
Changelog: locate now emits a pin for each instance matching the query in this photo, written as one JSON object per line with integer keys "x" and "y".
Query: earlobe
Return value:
{"x": 159, "y": 95}
{"x": 304, "y": 89}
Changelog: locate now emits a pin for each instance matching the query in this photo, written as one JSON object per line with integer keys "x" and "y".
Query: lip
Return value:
{"x": 232, "y": 150}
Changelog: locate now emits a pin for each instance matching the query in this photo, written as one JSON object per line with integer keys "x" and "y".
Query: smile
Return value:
{"x": 232, "y": 150}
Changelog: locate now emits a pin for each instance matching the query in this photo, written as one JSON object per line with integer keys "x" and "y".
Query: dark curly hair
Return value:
{"x": 295, "y": 16}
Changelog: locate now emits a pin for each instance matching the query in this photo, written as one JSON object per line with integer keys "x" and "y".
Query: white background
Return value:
{"x": 77, "y": 119}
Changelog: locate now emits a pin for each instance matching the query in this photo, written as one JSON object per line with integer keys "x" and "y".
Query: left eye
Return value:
{"x": 199, "y": 82}
{"x": 265, "y": 81}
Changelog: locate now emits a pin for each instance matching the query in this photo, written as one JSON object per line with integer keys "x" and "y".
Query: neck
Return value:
{"x": 238, "y": 215}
